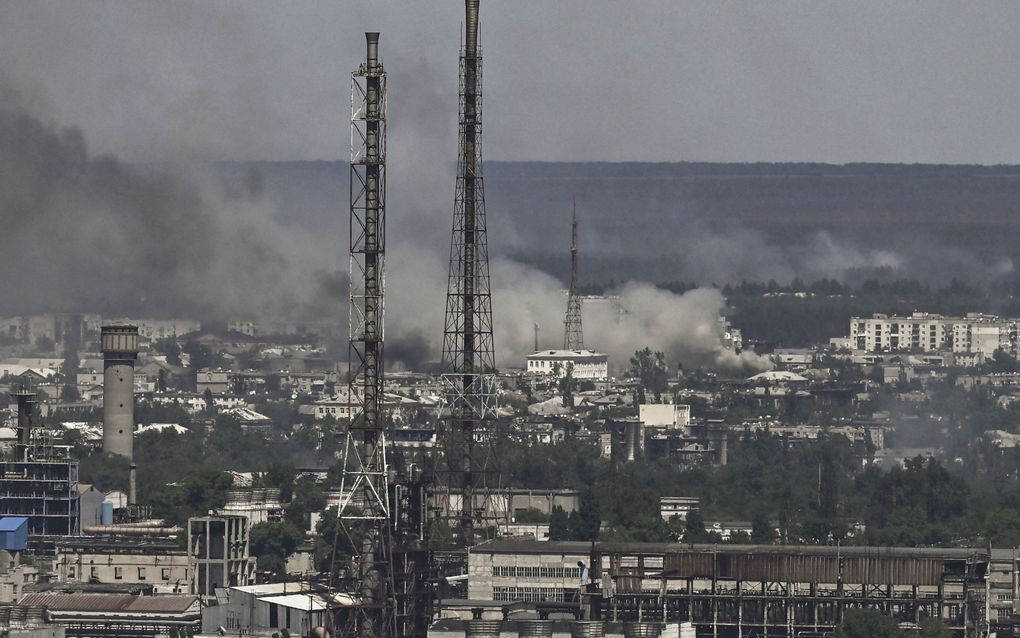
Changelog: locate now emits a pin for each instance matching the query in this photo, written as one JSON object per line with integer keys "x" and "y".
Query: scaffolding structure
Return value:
{"x": 468, "y": 472}
{"x": 39, "y": 480}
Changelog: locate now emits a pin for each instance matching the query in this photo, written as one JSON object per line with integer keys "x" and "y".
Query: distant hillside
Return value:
{"x": 658, "y": 221}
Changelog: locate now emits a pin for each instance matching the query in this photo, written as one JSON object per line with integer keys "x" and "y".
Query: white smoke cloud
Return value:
{"x": 685, "y": 327}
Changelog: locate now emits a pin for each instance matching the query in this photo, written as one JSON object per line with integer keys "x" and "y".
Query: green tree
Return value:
{"x": 867, "y": 623}
{"x": 272, "y": 542}
{"x": 200, "y": 356}
{"x": 69, "y": 393}
{"x": 531, "y": 515}
{"x": 649, "y": 368}
{"x": 559, "y": 525}
{"x": 333, "y": 540}
{"x": 934, "y": 628}
{"x": 762, "y": 532}
{"x": 170, "y": 349}
{"x": 210, "y": 407}
{"x": 281, "y": 476}
{"x": 566, "y": 386}
{"x": 308, "y": 497}
{"x": 586, "y": 521}
{"x": 694, "y": 528}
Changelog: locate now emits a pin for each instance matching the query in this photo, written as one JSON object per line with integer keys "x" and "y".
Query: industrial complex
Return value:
{"x": 173, "y": 478}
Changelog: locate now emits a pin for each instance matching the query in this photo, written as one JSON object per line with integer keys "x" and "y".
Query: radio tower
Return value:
{"x": 364, "y": 512}
{"x": 573, "y": 337}
{"x": 469, "y": 432}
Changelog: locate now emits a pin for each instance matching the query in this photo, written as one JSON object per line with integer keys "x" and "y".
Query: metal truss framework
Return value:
{"x": 364, "y": 512}
{"x": 573, "y": 336}
{"x": 471, "y": 470}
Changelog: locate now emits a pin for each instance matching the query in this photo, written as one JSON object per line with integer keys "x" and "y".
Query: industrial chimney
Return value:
{"x": 120, "y": 348}
{"x": 26, "y": 404}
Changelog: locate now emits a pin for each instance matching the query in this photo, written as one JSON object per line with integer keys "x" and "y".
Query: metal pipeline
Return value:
{"x": 133, "y": 485}
{"x": 131, "y": 530}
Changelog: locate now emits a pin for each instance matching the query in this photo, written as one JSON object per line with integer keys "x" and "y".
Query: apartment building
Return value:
{"x": 975, "y": 333}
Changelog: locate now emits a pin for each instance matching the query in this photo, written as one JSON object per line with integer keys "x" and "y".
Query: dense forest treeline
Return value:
{"x": 818, "y": 493}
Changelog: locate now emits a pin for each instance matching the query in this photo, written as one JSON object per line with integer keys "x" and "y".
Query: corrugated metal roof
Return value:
{"x": 123, "y": 603}
{"x": 297, "y": 601}
{"x": 524, "y": 546}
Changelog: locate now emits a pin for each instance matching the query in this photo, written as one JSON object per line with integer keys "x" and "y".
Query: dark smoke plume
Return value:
{"x": 90, "y": 233}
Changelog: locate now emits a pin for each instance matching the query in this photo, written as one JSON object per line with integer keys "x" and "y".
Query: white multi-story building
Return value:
{"x": 922, "y": 332}
{"x": 586, "y": 364}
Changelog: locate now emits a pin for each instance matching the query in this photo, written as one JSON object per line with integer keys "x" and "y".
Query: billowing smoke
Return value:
{"x": 733, "y": 255}
{"x": 685, "y": 327}
{"x": 89, "y": 233}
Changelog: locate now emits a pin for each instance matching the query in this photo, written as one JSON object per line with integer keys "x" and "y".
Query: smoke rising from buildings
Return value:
{"x": 685, "y": 327}
{"x": 91, "y": 233}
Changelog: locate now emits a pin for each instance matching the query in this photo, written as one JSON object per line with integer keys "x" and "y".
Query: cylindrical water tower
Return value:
{"x": 120, "y": 348}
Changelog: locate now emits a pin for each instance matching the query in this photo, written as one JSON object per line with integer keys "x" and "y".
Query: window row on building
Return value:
{"x": 513, "y": 571}
{"x": 118, "y": 573}
{"x": 923, "y": 332}
{"x": 529, "y": 594}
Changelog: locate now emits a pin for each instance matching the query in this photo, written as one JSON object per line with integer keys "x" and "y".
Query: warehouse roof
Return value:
{"x": 120, "y": 604}
{"x": 526, "y": 546}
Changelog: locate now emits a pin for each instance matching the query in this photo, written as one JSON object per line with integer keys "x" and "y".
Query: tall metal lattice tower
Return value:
{"x": 364, "y": 512}
{"x": 471, "y": 474}
{"x": 573, "y": 337}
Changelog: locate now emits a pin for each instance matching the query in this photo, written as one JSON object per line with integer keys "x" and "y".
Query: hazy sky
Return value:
{"x": 901, "y": 81}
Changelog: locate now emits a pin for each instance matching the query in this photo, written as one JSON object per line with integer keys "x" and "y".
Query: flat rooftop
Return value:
{"x": 524, "y": 546}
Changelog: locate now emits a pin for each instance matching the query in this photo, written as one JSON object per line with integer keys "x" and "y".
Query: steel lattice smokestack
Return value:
{"x": 120, "y": 348}
{"x": 471, "y": 28}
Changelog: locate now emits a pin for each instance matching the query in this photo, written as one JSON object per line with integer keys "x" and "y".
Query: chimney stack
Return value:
{"x": 120, "y": 348}
{"x": 133, "y": 485}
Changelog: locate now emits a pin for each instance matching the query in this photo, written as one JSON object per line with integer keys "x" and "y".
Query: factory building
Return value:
{"x": 739, "y": 590}
{"x": 161, "y": 565}
{"x": 94, "y": 614}
{"x": 586, "y": 364}
{"x": 298, "y": 608}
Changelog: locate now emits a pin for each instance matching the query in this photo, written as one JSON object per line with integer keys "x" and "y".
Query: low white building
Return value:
{"x": 397, "y": 407}
{"x": 586, "y": 364}
{"x": 664, "y": 415}
{"x": 258, "y": 609}
{"x": 679, "y": 506}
